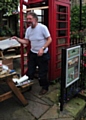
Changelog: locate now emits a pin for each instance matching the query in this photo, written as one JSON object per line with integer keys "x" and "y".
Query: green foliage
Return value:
{"x": 8, "y": 6}
{"x": 75, "y": 18}
{"x": 6, "y": 31}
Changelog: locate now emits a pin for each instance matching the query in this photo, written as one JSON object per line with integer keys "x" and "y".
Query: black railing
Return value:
{"x": 82, "y": 43}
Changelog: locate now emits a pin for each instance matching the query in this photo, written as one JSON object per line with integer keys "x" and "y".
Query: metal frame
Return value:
{"x": 71, "y": 58}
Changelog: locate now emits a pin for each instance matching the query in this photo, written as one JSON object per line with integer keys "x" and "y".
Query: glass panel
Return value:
{"x": 58, "y": 57}
{"x": 59, "y": 49}
{"x": 61, "y": 33}
{"x": 61, "y": 17}
{"x": 40, "y": 18}
{"x": 61, "y": 8}
{"x": 61, "y": 25}
{"x": 58, "y": 65}
{"x": 38, "y": 12}
{"x": 61, "y": 41}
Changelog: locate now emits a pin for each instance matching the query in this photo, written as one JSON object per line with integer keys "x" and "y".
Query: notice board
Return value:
{"x": 72, "y": 65}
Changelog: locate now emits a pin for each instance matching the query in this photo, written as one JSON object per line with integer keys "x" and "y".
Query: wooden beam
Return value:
{"x": 1, "y": 54}
{"x": 16, "y": 91}
{"x": 6, "y": 96}
{"x": 36, "y": 8}
{"x": 10, "y": 94}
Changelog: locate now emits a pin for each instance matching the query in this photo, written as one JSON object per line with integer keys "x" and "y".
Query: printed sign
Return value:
{"x": 72, "y": 65}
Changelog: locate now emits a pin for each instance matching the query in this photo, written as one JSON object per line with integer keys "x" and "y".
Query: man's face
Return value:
{"x": 31, "y": 21}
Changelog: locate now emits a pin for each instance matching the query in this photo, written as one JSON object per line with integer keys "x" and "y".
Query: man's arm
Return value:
{"x": 22, "y": 41}
{"x": 48, "y": 41}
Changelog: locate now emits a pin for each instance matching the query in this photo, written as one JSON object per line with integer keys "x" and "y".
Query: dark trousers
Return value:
{"x": 42, "y": 63}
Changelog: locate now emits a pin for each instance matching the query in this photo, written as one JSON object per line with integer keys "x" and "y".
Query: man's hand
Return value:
{"x": 40, "y": 52}
{"x": 14, "y": 37}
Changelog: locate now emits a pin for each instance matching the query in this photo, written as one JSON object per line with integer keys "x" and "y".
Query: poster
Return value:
{"x": 72, "y": 65}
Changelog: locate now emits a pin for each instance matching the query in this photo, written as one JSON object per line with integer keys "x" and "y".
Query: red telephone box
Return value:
{"x": 57, "y": 18}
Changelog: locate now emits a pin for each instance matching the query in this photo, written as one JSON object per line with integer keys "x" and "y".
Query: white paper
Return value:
{"x": 22, "y": 79}
{"x": 7, "y": 43}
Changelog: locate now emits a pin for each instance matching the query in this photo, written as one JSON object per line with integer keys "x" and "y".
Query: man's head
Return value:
{"x": 32, "y": 19}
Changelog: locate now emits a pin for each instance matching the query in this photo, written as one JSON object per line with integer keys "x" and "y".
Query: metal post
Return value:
{"x": 80, "y": 15}
{"x": 63, "y": 76}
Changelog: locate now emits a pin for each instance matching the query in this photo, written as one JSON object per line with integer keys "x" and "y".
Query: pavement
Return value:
{"x": 45, "y": 107}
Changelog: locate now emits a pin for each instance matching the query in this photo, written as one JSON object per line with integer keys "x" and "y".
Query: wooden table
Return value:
{"x": 14, "y": 89}
{"x": 8, "y": 45}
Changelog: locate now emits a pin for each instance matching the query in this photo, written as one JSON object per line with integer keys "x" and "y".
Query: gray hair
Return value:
{"x": 34, "y": 15}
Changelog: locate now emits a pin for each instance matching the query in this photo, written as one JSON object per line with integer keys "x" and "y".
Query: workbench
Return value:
{"x": 9, "y": 45}
{"x": 14, "y": 90}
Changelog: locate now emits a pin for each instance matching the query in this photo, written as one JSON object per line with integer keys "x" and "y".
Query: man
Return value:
{"x": 40, "y": 39}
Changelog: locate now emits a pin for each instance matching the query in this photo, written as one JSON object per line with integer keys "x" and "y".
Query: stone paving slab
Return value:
{"x": 54, "y": 114}
{"x": 54, "y": 86}
{"x": 30, "y": 96}
{"x": 48, "y": 101}
{"x": 75, "y": 106}
{"x": 36, "y": 88}
{"x": 64, "y": 114}
{"x": 53, "y": 95}
{"x": 34, "y": 95}
{"x": 21, "y": 114}
{"x": 68, "y": 118}
{"x": 36, "y": 109}
{"x": 51, "y": 113}
{"x": 59, "y": 119}
{"x": 8, "y": 107}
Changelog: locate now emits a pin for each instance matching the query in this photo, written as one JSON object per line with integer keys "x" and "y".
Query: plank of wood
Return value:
{"x": 36, "y": 8}
{"x": 16, "y": 91}
{"x": 10, "y": 94}
{"x": 3, "y": 38}
{"x": 7, "y": 75}
{"x": 13, "y": 56}
{"x": 6, "y": 96}
{"x": 27, "y": 85}
{"x": 1, "y": 54}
